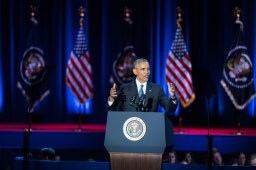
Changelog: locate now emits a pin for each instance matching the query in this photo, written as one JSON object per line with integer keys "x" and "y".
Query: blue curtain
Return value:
{"x": 1, "y": 63}
{"x": 208, "y": 28}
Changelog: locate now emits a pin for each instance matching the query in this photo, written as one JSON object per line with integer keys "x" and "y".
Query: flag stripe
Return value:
{"x": 187, "y": 64}
{"x": 75, "y": 79}
{"x": 79, "y": 71}
{"x": 173, "y": 77}
{"x": 183, "y": 94}
{"x": 88, "y": 72}
{"x": 170, "y": 78}
{"x": 179, "y": 70}
{"x": 180, "y": 75}
{"x": 73, "y": 89}
{"x": 179, "y": 65}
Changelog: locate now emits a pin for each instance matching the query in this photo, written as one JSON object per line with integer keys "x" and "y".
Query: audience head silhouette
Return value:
{"x": 47, "y": 154}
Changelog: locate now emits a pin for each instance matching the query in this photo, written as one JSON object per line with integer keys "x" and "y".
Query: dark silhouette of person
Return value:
{"x": 47, "y": 154}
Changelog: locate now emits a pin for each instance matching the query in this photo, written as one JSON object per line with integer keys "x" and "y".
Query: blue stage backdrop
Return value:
{"x": 1, "y": 69}
{"x": 208, "y": 29}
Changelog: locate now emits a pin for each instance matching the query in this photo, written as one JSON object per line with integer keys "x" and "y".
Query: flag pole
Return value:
{"x": 238, "y": 131}
{"x": 121, "y": 67}
{"x": 180, "y": 12}
{"x": 26, "y": 134}
{"x": 81, "y": 21}
{"x": 30, "y": 110}
{"x": 78, "y": 71}
{"x": 29, "y": 128}
{"x": 237, "y": 13}
{"x": 79, "y": 129}
{"x": 127, "y": 14}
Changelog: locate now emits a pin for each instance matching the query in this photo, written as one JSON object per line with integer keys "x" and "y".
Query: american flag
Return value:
{"x": 179, "y": 70}
{"x": 79, "y": 72}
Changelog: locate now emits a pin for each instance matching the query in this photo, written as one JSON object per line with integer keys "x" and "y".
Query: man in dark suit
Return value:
{"x": 140, "y": 94}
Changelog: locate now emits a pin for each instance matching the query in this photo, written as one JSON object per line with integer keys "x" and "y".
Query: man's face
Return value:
{"x": 142, "y": 71}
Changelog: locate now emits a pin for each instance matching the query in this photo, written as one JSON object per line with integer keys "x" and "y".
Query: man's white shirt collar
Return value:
{"x": 139, "y": 85}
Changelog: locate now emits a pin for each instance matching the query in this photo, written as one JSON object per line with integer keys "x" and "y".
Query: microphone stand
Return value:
{"x": 238, "y": 132}
{"x": 180, "y": 124}
{"x": 79, "y": 119}
{"x": 208, "y": 133}
{"x": 26, "y": 138}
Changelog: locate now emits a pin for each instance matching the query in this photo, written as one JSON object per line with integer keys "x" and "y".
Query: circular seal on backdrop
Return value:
{"x": 123, "y": 65}
{"x": 239, "y": 68}
{"x": 32, "y": 66}
{"x": 134, "y": 129}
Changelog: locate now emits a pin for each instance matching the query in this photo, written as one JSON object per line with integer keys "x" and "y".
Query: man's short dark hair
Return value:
{"x": 139, "y": 60}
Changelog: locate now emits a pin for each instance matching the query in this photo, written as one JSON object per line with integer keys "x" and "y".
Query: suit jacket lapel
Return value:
{"x": 133, "y": 88}
{"x": 149, "y": 89}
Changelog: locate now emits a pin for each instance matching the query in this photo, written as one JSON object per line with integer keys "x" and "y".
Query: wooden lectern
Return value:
{"x": 137, "y": 140}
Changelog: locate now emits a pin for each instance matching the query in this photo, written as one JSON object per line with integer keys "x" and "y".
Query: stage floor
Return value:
{"x": 100, "y": 128}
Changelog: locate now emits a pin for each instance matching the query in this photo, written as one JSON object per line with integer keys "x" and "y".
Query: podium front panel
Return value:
{"x": 153, "y": 125}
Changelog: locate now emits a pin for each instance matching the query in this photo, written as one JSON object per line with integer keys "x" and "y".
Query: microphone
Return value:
{"x": 141, "y": 102}
{"x": 132, "y": 101}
